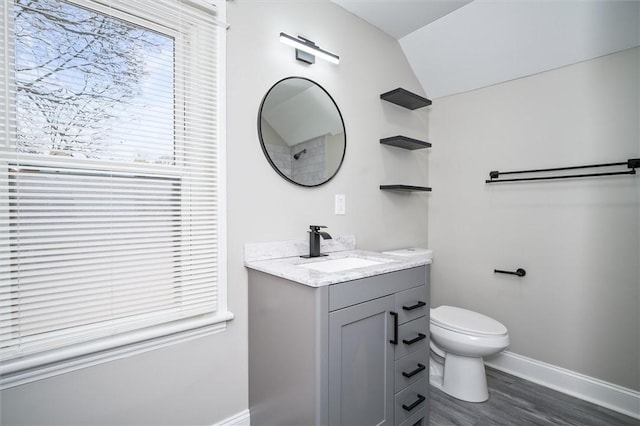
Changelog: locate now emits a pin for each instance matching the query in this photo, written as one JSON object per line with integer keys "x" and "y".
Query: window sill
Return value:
{"x": 63, "y": 360}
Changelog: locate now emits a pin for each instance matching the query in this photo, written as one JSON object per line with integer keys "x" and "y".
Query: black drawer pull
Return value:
{"x": 414, "y": 340}
{"x": 414, "y": 372}
{"x": 420, "y": 304}
{"x": 419, "y": 401}
{"x": 394, "y": 341}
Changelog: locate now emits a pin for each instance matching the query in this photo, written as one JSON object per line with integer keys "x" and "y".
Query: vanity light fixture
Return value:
{"x": 306, "y": 50}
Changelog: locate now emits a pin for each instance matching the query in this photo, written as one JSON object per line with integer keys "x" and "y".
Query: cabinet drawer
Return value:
{"x": 415, "y": 366}
{"x": 412, "y": 336}
{"x": 353, "y": 292}
{"x": 411, "y": 400}
{"x": 417, "y": 419}
{"x": 412, "y": 304}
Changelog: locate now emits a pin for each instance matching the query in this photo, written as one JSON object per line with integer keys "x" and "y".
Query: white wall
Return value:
{"x": 487, "y": 41}
{"x": 205, "y": 381}
{"x": 265, "y": 207}
{"x": 579, "y": 240}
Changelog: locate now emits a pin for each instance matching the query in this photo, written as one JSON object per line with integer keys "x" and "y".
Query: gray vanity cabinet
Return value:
{"x": 345, "y": 354}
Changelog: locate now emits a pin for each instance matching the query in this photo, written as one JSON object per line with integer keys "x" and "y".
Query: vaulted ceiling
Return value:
{"x": 455, "y": 46}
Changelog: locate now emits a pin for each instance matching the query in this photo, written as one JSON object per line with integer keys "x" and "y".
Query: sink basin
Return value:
{"x": 342, "y": 264}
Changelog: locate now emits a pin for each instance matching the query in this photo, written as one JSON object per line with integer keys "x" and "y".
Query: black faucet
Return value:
{"x": 314, "y": 240}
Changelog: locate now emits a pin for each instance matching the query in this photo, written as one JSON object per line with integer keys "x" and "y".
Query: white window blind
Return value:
{"x": 109, "y": 169}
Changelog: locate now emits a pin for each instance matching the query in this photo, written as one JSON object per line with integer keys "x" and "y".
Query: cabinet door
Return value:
{"x": 361, "y": 364}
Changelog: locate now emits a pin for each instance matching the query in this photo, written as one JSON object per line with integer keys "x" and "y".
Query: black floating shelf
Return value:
{"x": 405, "y": 142}
{"x": 406, "y": 99}
{"x": 405, "y": 188}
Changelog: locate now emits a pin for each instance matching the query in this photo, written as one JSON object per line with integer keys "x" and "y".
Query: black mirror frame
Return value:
{"x": 264, "y": 149}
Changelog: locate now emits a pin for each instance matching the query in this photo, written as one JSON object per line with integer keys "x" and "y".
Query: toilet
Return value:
{"x": 460, "y": 338}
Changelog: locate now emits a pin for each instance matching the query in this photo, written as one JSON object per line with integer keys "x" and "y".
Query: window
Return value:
{"x": 111, "y": 176}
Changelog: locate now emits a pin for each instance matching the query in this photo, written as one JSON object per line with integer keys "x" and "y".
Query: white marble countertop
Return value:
{"x": 257, "y": 257}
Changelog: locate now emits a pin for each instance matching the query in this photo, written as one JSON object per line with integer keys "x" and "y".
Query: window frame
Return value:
{"x": 49, "y": 363}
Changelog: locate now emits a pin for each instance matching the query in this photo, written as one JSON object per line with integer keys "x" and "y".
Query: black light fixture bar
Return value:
{"x": 632, "y": 164}
{"x": 304, "y": 45}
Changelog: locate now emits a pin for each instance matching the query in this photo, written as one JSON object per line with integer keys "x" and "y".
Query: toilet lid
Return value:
{"x": 459, "y": 319}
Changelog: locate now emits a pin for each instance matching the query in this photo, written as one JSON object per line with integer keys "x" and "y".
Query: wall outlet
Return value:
{"x": 341, "y": 207}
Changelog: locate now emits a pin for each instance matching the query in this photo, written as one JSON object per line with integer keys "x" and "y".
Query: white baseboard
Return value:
{"x": 243, "y": 418}
{"x": 613, "y": 397}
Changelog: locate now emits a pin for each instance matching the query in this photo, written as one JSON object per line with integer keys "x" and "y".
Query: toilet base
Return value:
{"x": 436, "y": 371}
{"x": 462, "y": 377}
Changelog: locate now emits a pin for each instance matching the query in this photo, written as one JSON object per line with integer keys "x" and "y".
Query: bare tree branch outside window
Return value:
{"x": 87, "y": 82}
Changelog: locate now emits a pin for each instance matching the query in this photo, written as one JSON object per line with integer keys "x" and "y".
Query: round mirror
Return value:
{"x": 301, "y": 131}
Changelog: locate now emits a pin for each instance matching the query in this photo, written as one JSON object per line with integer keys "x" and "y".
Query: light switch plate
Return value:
{"x": 340, "y": 205}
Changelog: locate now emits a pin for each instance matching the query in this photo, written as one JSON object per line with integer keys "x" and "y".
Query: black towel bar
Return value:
{"x": 632, "y": 164}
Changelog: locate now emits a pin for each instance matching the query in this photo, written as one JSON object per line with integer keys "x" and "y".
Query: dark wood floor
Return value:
{"x": 514, "y": 402}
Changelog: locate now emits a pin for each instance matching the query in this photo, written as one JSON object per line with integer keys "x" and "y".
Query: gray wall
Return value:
{"x": 579, "y": 240}
{"x": 205, "y": 381}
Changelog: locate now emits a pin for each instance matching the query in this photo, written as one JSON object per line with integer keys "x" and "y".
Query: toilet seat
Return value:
{"x": 465, "y": 321}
